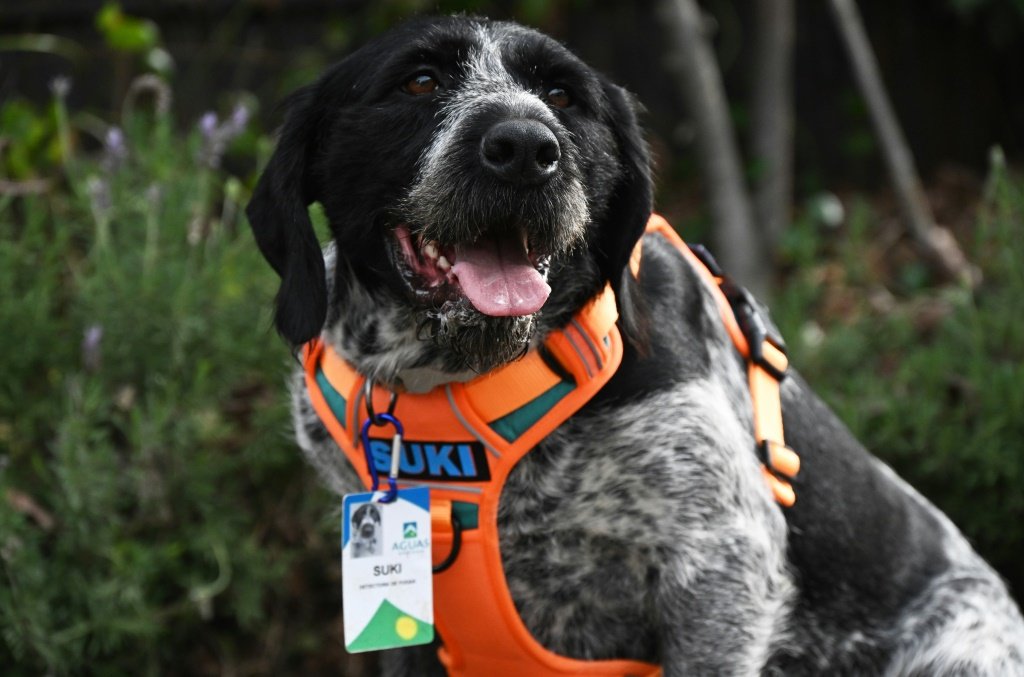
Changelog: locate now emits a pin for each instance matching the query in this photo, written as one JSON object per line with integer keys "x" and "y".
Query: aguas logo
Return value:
{"x": 411, "y": 542}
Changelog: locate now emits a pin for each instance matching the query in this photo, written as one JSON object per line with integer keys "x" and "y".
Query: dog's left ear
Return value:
{"x": 279, "y": 215}
{"x": 629, "y": 209}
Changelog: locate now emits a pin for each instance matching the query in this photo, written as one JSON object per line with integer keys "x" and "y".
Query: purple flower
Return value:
{"x": 216, "y": 137}
{"x": 239, "y": 119}
{"x": 92, "y": 356}
{"x": 115, "y": 149}
{"x": 115, "y": 141}
{"x": 208, "y": 125}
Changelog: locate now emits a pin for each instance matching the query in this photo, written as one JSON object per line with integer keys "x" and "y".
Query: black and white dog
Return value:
{"x": 482, "y": 183}
{"x": 367, "y": 539}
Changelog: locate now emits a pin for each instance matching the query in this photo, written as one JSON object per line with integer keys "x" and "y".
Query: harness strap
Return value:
{"x": 762, "y": 348}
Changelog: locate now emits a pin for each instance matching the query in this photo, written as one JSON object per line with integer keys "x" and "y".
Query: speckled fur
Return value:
{"x": 642, "y": 528}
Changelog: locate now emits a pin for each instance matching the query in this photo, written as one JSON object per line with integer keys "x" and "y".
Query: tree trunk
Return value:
{"x": 772, "y": 118}
{"x": 936, "y": 244}
{"x": 691, "y": 58}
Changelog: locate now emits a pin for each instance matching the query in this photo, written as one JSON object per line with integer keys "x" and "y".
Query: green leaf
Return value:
{"x": 124, "y": 33}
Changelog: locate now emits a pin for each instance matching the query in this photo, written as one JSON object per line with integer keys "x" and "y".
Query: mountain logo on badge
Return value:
{"x": 409, "y": 530}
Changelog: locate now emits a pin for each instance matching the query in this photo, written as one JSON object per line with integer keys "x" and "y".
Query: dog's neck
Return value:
{"x": 384, "y": 346}
{"x": 425, "y": 379}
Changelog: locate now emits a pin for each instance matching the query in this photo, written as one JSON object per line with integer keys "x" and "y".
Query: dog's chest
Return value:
{"x": 573, "y": 553}
{"x": 593, "y": 517}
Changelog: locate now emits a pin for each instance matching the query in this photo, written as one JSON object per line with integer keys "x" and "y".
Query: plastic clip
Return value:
{"x": 767, "y": 347}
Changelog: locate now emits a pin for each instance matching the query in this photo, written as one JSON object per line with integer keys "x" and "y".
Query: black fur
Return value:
{"x": 641, "y": 527}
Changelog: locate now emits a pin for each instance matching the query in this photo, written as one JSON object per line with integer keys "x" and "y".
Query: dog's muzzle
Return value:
{"x": 498, "y": 196}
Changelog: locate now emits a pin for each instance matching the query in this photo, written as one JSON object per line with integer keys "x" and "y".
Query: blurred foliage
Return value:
{"x": 928, "y": 377}
{"x": 153, "y": 511}
{"x": 130, "y": 35}
{"x": 30, "y": 143}
{"x": 125, "y": 33}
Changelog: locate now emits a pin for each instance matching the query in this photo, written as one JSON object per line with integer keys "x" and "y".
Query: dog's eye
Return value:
{"x": 421, "y": 83}
{"x": 558, "y": 97}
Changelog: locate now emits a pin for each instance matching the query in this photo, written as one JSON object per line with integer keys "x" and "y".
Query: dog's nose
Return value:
{"x": 520, "y": 151}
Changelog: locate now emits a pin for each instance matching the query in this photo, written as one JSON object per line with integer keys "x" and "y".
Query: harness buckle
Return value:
{"x": 758, "y": 331}
{"x": 767, "y": 347}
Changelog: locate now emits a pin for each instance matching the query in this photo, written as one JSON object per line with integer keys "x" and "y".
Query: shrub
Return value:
{"x": 153, "y": 511}
{"x": 930, "y": 378}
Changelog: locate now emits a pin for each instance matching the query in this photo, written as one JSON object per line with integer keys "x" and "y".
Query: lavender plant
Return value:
{"x": 151, "y": 505}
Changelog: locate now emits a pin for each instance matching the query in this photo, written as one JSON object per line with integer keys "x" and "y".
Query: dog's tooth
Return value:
{"x": 443, "y": 264}
{"x": 430, "y": 249}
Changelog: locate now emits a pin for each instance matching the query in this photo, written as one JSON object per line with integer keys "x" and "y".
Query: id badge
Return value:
{"x": 387, "y": 579}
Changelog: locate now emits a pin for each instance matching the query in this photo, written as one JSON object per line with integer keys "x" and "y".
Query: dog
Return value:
{"x": 366, "y": 532}
{"x": 482, "y": 184}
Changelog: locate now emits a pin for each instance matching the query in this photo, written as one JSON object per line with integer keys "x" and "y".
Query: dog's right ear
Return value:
{"x": 279, "y": 215}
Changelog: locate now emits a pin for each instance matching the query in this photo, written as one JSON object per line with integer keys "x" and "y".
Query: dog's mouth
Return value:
{"x": 500, "y": 276}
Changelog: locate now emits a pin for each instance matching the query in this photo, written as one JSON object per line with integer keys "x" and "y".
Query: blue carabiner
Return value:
{"x": 382, "y": 419}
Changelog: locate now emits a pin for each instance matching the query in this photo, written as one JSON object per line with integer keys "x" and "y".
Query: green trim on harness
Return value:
{"x": 334, "y": 399}
{"x": 468, "y": 514}
{"x": 515, "y": 423}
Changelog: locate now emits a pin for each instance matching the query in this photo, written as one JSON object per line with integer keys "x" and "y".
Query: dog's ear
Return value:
{"x": 279, "y": 215}
{"x": 629, "y": 209}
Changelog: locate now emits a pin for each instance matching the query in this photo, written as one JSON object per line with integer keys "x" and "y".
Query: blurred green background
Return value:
{"x": 155, "y": 516}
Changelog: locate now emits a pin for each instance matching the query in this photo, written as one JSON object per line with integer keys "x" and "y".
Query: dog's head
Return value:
{"x": 366, "y": 523}
{"x": 481, "y": 183}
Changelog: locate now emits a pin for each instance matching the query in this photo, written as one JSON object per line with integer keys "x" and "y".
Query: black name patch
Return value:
{"x": 443, "y": 461}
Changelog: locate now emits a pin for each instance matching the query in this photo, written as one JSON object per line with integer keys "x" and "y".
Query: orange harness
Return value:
{"x": 463, "y": 439}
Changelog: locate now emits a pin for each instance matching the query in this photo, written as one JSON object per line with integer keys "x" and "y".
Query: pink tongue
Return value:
{"x": 498, "y": 278}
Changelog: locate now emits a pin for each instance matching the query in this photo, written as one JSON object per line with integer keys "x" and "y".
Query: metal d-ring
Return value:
{"x": 368, "y": 400}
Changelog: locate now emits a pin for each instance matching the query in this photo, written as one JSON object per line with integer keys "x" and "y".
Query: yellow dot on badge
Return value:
{"x": 406, "y": 627}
